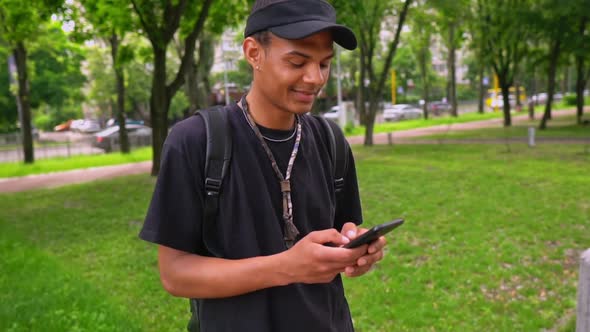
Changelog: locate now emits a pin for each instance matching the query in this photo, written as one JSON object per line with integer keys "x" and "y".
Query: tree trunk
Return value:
{"x": 424, "y": 76}
{"x": 120, "y": 83}
{"x": 425, "y": 97}
{"x": 24, "y": 106}
{"x": 362, "y": 93}
{"x": 159, "y": 105}
{"x": 581, "y": 79}
{"x": 580, "y": 85}
{"x": 191, "y": 87}
{"x": 204, "y": 65}
{"x": 564, "y": 85}
{"x": 370, "y": 122}
{"x": 452, "y": 72}
{"x": 553, "y": 57}
{"x": 481, "y": 87}
{"x": 505, "y": 86}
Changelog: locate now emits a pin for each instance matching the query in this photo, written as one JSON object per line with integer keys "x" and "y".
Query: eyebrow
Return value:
{"x": 307, "y": 56}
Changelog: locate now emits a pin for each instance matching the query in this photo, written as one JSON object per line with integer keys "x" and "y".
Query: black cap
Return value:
{"x": 298, "y": 19}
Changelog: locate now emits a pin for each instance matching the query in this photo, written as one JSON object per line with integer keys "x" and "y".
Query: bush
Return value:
{"x": 43, "y": 121}
{"x": 409, "y": 99}
{"x": 570, "y": 99}
{"x": 466, "y": 92}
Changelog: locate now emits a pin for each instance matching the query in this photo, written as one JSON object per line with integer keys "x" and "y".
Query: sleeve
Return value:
{"x": 175, "y": 213}
{"x": 348, "y": 206}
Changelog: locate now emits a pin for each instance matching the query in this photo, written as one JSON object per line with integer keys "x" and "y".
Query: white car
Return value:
{"x": 401, "y": 112}
{"x": 89, "y": 126}
{"x": 333, "y": 113}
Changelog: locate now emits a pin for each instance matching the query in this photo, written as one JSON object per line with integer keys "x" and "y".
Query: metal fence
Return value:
{"x": 64, "y": 145}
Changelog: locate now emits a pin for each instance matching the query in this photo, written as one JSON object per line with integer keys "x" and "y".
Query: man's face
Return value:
{"x": 292, "y": 72}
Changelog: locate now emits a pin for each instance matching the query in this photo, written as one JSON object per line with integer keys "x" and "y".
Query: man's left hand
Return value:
{"x": 373, "y": 255}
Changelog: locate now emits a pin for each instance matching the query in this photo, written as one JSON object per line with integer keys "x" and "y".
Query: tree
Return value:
{"x": 503, "y": 28}
{"x": 451, "y": 20}
{"x": 365, "y": 18}
{"x": 477, "y": 45}
{"x": 160, "y": 21}
{"x": 111, "y": 20}
{"x": 581, "y": 44}
{"x": 56, "y": 77}
{"x": 554, "y": 26}
{"x": 420, "y": 41}
{"x": 20, "y": 24}
{"x": 223, "y": 15}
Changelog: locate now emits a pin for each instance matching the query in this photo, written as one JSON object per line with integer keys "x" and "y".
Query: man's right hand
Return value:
{"x": 310, "y": 261}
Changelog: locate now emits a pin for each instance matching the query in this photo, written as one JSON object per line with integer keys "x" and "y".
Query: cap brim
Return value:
{"x": 342, "y": 35}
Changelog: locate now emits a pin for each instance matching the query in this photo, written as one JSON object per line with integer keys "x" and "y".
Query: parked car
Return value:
{"x": 65, "y": 126}
{"x": 438, "y": 107}
{"x": 108, "y": 139}
{"x": 401, "y": 112}
{"x": 85, "y": 126}
{"x": 333, "y": 113}
{"x": 75, "y": 124}
{"x": 113, "y": 122}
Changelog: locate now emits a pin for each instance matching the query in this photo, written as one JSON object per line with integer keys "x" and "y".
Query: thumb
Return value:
{"x": 328, "y": 236}
{"x": 349, "y": 230}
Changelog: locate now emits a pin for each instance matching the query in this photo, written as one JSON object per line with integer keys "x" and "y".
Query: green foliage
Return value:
{"x": 466, "y": 92}
{"x": 242, "y": 77}
{"x": 570, "y": 99}
{"x": 102, "y": 92}
{"x": 21, "y": 23}
{"x": 8, "y": 110}
{"x": 56, "y": 77}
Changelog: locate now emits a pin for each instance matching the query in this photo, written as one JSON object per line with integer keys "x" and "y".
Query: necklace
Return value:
{"x": 290, "y": 231}
{"x": 252, "y": 125}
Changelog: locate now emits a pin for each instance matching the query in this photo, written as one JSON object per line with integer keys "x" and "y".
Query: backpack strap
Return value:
{"x": 338, "y": 151}
{"x": 217, "y": 161}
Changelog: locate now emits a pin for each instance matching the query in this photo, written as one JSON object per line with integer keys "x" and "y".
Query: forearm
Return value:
{"x": 193, "y": 276}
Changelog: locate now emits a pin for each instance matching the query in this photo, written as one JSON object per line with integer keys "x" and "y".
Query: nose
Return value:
{"x": 314, "y": 74}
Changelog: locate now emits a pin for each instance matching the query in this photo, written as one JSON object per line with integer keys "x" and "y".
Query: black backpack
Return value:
{"x": 217, "y": 161}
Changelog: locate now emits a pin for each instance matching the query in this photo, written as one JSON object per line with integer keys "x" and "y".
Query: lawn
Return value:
{"x": 559, "y": 127}
{"x": 386, "y": 127}
{"x": 491, "y": 242}
{"x": 75, "y": 162}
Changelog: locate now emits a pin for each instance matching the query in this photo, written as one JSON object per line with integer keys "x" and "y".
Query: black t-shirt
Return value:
{"x": 250, "y": 220}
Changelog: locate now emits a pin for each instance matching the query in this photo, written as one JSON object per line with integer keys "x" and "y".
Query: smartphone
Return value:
{"x": 374, "y": 233}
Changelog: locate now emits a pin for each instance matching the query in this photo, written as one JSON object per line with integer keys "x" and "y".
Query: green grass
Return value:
{"x": 421, "y": 123}
{"x": 491, "y": 243}
{"x": 562, "y": 127}
{"x": 75, "y": 162}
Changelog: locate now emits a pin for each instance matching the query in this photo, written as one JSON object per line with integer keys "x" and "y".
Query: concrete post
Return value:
{"x": 583, "y": 311}
{"x": 531, "y": 136}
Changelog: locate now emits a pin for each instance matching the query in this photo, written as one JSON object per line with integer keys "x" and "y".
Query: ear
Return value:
{"x": 253, "y": 51}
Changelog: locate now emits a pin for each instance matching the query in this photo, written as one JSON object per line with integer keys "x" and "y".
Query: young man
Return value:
{"x": 278, "y": 206}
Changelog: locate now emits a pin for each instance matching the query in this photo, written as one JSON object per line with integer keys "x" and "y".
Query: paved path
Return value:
{"x": 57, "y": 179}
{"x": 382, "y": 138}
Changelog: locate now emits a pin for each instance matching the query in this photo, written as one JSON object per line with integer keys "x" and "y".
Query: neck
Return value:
{"x": 266, "y": 113}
